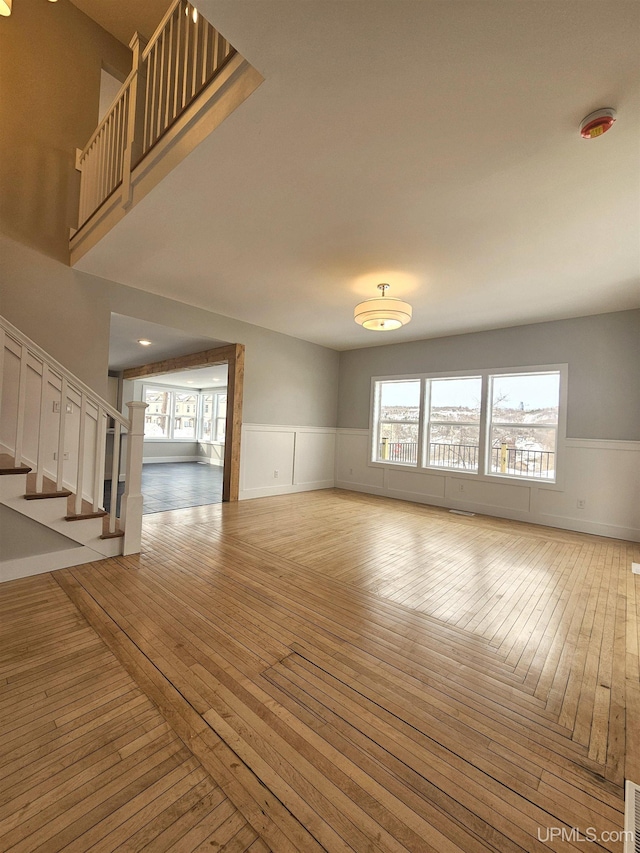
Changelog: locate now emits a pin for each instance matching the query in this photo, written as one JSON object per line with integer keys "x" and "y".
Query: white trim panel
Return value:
{"x": 604, "y": 474}
{"x": 279, "y": 459}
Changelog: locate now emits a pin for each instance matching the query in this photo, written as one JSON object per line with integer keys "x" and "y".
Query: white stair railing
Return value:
{"x": 183, "y": 56}
{"x": 56, "y": 425}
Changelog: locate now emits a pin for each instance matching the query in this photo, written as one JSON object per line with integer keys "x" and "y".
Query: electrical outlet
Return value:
{"x": 461, "y": 487}
{"x": 581, "y": 503}
{"x": 65, "y": 456}
{"x": 56, "y": 407}
{"x": 350, "y": 470}
{"x": 276, "y": 474}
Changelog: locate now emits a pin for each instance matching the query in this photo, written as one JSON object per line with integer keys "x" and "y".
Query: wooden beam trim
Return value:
{"x": 204, "y": 358}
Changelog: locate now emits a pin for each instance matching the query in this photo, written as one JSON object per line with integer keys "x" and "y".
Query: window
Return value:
{"x": 214, "y": 416}
{"x": 454, "y": 422}
{"x": 524, "y": 425}
{"x": 157, "y": 416}
{"x": 221, "y": 417}
{"x": 397, "y": 420}
{"x": 184, "y": 422}
{"x": 182, "y": 415}
{"x": 489, "y": 424}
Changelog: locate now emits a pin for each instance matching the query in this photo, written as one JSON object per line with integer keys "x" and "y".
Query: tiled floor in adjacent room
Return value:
{"x": 176, "y": 485}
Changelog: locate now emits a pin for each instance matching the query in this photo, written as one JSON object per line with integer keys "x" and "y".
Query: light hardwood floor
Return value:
{"x": 334, "y": 672}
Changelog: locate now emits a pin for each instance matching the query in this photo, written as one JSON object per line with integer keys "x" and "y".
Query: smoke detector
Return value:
{"x": 597, "y": 123}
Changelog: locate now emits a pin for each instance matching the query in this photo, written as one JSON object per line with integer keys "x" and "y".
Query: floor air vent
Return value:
{"x": 631, "y": 817}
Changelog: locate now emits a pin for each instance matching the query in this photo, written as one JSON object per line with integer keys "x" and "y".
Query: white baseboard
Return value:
{"x": 153, "y": 460}
{"x": 270, "y": 491}
{"x": 601, "y": 475}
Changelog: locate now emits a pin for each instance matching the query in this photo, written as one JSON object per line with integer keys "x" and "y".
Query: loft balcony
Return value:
{"x": 183, "y": 83}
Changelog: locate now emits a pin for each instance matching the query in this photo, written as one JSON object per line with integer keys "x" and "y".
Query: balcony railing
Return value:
{"x": 183, "y": 57}
{"x": 539, "y": 464}
{"x": 523, "y": 463}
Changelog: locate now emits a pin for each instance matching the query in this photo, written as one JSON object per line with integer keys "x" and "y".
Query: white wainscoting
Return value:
{"x": 604, "y": 474}
{"x": 303, "y": 457}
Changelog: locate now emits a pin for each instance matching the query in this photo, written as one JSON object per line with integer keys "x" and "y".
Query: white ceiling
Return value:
{"x": 214, "y": 376}
{"x": 430, "y": 144}
{"x": 125, "y": 351}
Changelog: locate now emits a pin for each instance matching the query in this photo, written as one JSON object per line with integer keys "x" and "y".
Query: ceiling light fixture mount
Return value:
{"x": 382, "y": 313}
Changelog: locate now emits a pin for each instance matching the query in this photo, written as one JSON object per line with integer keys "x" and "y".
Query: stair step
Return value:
{"x": 41, "y": 496}
{"x": 83, "y": 516}
{"x": 114, "y": 535}
{"x": 8, "y": 466}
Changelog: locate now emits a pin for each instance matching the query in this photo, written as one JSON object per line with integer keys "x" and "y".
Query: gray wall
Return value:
{"x": 603, "y": 354}
{"x": 68, "y": 313}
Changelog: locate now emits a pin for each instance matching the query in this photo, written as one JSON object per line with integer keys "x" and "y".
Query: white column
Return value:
{"x": 131, "y": 507}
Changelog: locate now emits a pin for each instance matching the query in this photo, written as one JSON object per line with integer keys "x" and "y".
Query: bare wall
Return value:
{"x": 68, "y": 313}
{"x": 51, "y": 56}
{"x": 602, "y": 351}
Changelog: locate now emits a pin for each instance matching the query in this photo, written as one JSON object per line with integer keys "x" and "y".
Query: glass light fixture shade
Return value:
{"x": 5, "y": 8}
{"x": 382, "y": 313}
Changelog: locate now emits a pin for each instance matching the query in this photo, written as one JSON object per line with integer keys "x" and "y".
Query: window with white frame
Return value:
{"x": 214, "y": 416}
{"x": 183, "y": 415}
{"x": 397, "y": 421}
{"x": 493, "y": 424}
{"x": 453, "y": 422}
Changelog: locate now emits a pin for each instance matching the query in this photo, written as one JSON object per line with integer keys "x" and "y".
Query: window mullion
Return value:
{"x": 421, "y": 425}
{"x": 485, "y": 430}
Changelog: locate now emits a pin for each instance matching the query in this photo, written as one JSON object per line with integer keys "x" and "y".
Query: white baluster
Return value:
{"x": 22, "y": 394}
{"x": 81, "y": 448}
{"x": 42, "y": 428}
{"x": 61, "y": 434}
{"x": 132, "y": 500}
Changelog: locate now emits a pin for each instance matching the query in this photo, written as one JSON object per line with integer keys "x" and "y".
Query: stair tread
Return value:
{"x": 8, "y": 465}
{"x": 83, "y": 516}
{"x": 39, "y": 496}
{"x": 114, "y": 535}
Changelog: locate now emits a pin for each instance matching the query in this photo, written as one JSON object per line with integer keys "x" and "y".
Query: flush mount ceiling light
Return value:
{"x": 597, "y": 123}
{"x": 5, "y": 8}
{"x": 144, "y": 342}
{"x": 382, "y": 313}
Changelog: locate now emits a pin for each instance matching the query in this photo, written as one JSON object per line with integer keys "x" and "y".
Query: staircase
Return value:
{"x": 59, "y": 443}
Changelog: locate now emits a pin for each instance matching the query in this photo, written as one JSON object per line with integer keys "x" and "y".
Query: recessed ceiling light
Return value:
{"x": 189, "y": 381}
{"x": 144, "y": 342}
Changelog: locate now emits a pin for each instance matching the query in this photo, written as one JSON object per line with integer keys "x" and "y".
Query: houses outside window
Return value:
{"x": 175, "y": 415}
{"x": 489, "y": 424}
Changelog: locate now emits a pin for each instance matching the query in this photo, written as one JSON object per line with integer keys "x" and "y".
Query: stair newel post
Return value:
{"x": 115, "y": 477}
{"x": 135, "y": 119}
{"x": 132, "y": 500}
